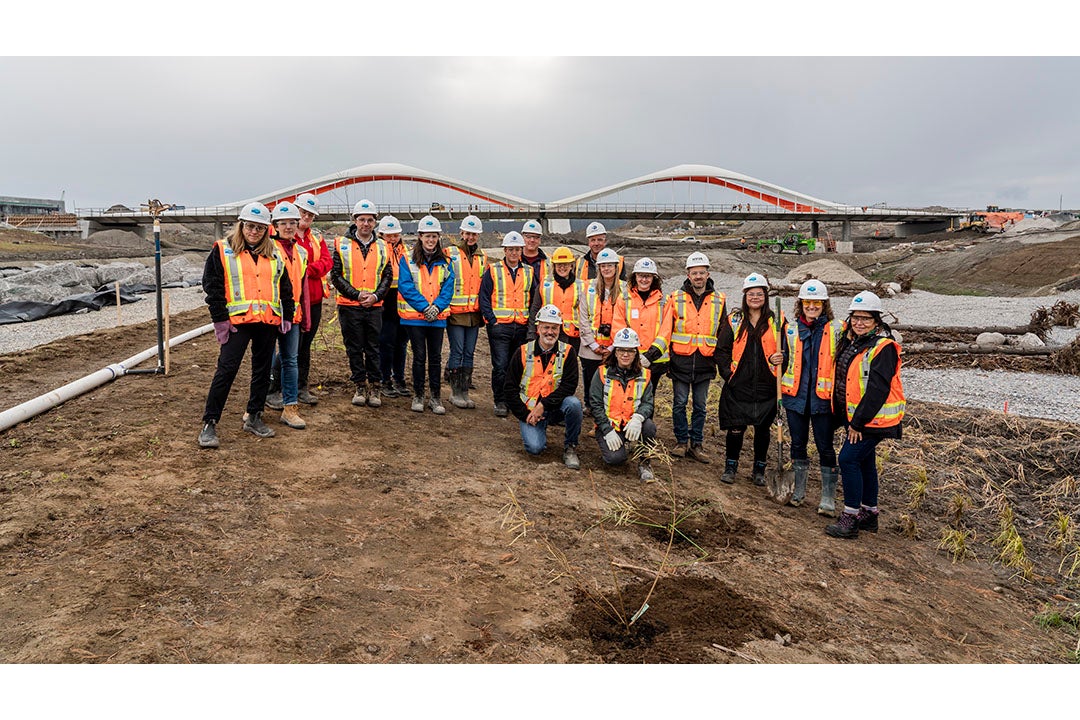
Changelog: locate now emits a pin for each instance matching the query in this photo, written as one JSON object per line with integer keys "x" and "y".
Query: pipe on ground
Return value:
{"x": 49, "y": 400}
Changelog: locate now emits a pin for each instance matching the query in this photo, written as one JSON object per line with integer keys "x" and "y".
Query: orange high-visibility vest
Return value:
{"x": 396, "y": 253}
{"x": 252, "y": 291}
{"x": 826, "y": 360}
{"x": 892, "y": 412}
{"x": 687, "y": 328}
{"x": 538, "y": 382}
{"x": 768, "y": 340}
{"x": 316, "y": 242}
{"x": 359, "y": 270}
{"x": 551, "y": 293}
{"x": 642, "y": 316}
{"x": 429, "y": 282}
{"x": 467, "y": 275}
{"x": 510, "y": 297}
{"x": 297, "y": 269}
{"x": 582, "y": 270}
{"x": 620, "y": 403}
{"x": 541, "y": 271}
{"x": 600, "y": 313}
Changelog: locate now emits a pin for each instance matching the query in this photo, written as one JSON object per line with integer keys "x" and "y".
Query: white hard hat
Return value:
{"x": 866, "y": 301}
{"x": 697, "y": 259}
{"x": 307, "y": 201}
{"x": 285, "y": 211}
{"x": 365, "y": 207}
{"x": 607, "y": 255}
{"x": 532, "y": 226}
{"x": 429, "y": 223}
{"x": 389, "y": 225}
{"x": 549, "y": 314}
{"x": 471, "y": 223}
{"x": 813, "y": 289}
{"x": 646, "y": 265}
{"x": 513, "y": 239}
{"x": 595, "y": 228}
{"x": 754, "y": 280}
{"x": 255, "y": 212}
{"x": 625, "y": 338}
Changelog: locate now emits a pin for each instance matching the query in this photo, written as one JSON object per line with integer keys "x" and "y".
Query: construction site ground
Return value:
{"x": 388, "y": 536}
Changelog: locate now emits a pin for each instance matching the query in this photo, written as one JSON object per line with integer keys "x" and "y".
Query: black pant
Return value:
{"x": 303, "y": 357}
{"x": 360, "y": 329}
{"x": 761, "y": 442}
{"x": 588, "y": 369}
{"x": 426, "y": 342}
{"x": 393, "y": 342}
{"x": 261, "y": 337}
{"x": 503, "y": 339}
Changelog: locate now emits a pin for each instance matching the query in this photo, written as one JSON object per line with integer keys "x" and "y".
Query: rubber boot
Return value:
{"x": 759, "y": 473}
{"x": 456, "y": 380}
{"x": 829, "y": 476}
{"x": 730, "y": 468}
{"x": 802, "y": 469}
{"x": 466, "y": 385}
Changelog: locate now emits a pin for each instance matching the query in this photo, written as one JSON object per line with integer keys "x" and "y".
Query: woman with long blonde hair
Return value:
{"x": 596, "y": 313}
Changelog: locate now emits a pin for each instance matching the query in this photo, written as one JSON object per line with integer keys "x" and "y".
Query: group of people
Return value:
{"x": 549, "y": 321}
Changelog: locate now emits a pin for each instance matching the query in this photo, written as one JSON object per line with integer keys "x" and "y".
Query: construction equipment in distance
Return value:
{"x": 793, "y": 241}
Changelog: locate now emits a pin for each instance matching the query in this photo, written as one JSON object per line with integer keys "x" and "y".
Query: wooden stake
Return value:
{"x": 165, "y": 310}
{"x": 118, "y": 319}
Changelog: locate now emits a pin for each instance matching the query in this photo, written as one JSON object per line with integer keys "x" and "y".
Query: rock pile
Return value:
{"x": 51, "y": 283}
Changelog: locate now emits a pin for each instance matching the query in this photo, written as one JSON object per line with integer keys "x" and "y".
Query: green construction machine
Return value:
{"x": 792, "y": 241}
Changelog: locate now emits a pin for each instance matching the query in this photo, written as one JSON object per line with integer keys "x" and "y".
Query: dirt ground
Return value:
{"x": 387, "y": 536}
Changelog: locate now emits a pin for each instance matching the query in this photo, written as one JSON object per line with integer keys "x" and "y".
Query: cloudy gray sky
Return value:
{"x": 960, "y": 132}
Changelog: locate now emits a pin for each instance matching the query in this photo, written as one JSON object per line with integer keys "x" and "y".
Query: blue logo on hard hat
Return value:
{"x": 310, "y": 202}
{"x": 858, "y": 300}
{"x": 753, "y": 278}
{"x": 811, "y": 289}
{"x": 256, "y": 211}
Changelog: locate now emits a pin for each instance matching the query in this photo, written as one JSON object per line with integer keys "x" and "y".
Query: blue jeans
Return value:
{"x": 858, "y": 472}
{"x": 681, "y": 391}
{"x": 285, "y": 359}
{"x": 462, "y": 345}
{"x": 799, "y": 435}
{"x": 535, "y": 436}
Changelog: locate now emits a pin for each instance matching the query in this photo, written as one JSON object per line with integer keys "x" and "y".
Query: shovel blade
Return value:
{"x": 783, "y": 486}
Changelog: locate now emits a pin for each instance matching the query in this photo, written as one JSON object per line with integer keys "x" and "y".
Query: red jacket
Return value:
{"x": 317, "y": 267}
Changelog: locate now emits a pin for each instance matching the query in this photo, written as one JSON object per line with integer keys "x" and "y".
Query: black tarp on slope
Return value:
{"x": 27, "y": 310}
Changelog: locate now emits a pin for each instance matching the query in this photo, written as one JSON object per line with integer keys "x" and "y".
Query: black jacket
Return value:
{"x": 566, "y": 387}
{"x": 695, "y": 367}
{"x": 386, "y": 278}
{"x": 882, "y": 369}
{"x": 749, "y": 395}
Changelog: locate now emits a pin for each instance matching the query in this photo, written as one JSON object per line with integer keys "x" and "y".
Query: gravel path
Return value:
{"x": 1055, "y": 397}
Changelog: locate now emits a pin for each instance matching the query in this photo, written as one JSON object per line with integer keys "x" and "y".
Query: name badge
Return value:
{"x": 634, "y": 313}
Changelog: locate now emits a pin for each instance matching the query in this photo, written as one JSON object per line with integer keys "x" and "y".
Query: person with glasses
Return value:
{"x": 807, "y": 387}
{"x": 250, "y": 299}
{"x": 749, "y": 352}
{"x": 868, "y": 402}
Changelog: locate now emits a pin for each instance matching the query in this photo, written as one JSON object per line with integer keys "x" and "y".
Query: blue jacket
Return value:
{"x": 411, "y": 294}
{"x": 810, "y": 337}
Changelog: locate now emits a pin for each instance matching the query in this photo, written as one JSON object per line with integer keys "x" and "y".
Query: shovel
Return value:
{"x": 782, "y": 486}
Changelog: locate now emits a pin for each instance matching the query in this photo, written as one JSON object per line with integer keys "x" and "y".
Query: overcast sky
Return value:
{"x": 959, "y": 132}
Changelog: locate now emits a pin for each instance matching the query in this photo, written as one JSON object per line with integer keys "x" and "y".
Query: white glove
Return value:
{"x": 633, "y": 428}
{"x": 430, "y": 313}
{"x": 614, "y": 442}
{"x": 645, "y": 361}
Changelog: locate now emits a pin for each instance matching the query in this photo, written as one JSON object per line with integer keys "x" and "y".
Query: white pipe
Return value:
{"x": 49, "y": 400}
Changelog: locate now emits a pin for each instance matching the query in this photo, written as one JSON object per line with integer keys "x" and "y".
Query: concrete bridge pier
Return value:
{"x": 815, "y": 229}
{"x": 217, "y": 230}
{"x": 908, "y": 229}
{"x": 845, "y": 231}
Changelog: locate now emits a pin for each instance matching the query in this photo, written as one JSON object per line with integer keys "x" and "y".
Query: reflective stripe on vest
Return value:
{"x": 252, "y": 290}
{"x": 467, "y": 276}
{"x": 826, "y": 360}
{"x": 509, "y": 300}
{"x": 360, "y": 270}
{"x": 428, "y": 281}
{"x": 892, "y": 412}
{"x": 600, "y": 313}
{"x": 536, "y": 381}
{"x": 620, "y": 403}
{"x": 768, "y": 341}
{"x": 695, "y": 329}
{"x": 297, "y": 269}
{"x": 551, "y": 293}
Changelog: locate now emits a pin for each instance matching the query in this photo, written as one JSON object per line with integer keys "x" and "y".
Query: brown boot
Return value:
{"x": 292, "y": 418}
{"x": 373, "y": 391}
{"x": 696, "y": 452}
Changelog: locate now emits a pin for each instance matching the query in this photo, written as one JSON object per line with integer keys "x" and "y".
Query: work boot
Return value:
{"x": 304, "y": 395}
{"x": 500, "y": 409}
{"x": 292, "y": 418}
{"x": 254, "y": 424}
{"x": 828, "y": 491}
{"x": 373, "y": 399}
{"x": 846, "y": 527}
{"x": 466, "y": 385}
{"x": 802, "y": 469}
{"x": 759, "y": 473}
{"x": 208, "y": 437}
{"x": 697, "y": 452}
{"x": 360, "y": 397}
{"x": 645, "y": 473}
{"x": 401, "y": 388}
{"x": 417, "y": 404}
{"x": 273, "y": 401}
{"x": 570, "y": 458}
{"x": 387, "y": 389}
{"x": 868, "y": 519}
{"x": 456, "y": 380}
{"x": 730, "y": 468}
{"x": 680, "y": 449}
{"x": 436, "y": 406}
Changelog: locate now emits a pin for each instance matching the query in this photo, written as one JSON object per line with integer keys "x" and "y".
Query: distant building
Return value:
{"x": 29, "y": 206}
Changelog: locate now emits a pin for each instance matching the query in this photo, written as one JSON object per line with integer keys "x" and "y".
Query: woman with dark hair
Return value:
{"x": 425, "y": 289}
{"x": 807, "y": 386}
{"x": 642, "y": 312}
{"x": 621, "y": 398}
{"x": 749, "y": 351}
{"x": 868, "y": 401}
{"x": 251, "y": 300}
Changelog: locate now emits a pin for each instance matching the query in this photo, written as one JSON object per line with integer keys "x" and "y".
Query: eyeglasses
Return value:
{"x": 626, "y": 350}
{"x": 254, "y": 226}
{"x": 813, "y": 303}
{"x": 861, "y": 320}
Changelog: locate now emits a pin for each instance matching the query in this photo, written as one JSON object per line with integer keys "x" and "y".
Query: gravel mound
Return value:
{"x": 1031, "y": 394}
{"x": 828, "y": 271}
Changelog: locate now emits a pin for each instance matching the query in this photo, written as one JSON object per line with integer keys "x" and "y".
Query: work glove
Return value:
{"x": 431, "y": 313}
{"x": 633, "y": 428}
{"x": 614, "y": 442}
{"x": 285, "y": 327}
{"x": 645, "y": 362}
{"x": 222, "y": 329}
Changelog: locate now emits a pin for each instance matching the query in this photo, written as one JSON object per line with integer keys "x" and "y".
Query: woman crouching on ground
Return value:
{"x": 868, "y": 400}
